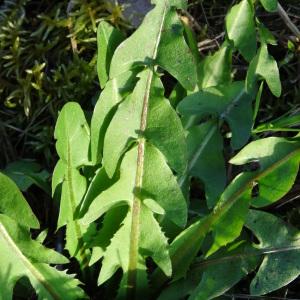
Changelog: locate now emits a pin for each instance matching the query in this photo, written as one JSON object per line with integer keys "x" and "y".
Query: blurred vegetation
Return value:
{"x": 47, "y": 58}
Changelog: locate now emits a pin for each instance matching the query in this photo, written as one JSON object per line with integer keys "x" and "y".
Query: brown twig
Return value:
{"x": 285, "y": 17}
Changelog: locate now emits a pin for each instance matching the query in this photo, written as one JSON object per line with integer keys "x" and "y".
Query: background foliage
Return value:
{"x": 48, "y": 57}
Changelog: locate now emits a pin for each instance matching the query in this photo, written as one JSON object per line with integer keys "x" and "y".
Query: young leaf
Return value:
{"x": 264, "y": 65}
{"x": 257, "y": 103}
{"x": 158, "y": 43}
{"x": 192, "y": 42}
{"x": 266, "y": 35}
{"x": 277, "y": 269}
{"x": 240, "y": 28}
{"x": 42, "y": 236}
{"x": 108, "y": 39}
{"x": 72, "y": 134}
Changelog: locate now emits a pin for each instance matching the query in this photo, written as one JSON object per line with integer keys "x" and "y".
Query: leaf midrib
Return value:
{"x": 136, "y": 206}
{"x": 74, "y": 206}
{"x": 241, "y": 255}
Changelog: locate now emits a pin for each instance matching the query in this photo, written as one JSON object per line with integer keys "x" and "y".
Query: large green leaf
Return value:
{"x": 14, "y": 205}
{"x": 227, "y": 102}
{"x": 158, "y": 42}
{"x": 264, "y": 65}
{"x": 279, "y": 267}
{"x": 163, "y": 127}
{"x": 159, "y": 185}
{"x": 73, "y": 137}
{"x": 240, "y": 28}
{"x": 108, "y": 39}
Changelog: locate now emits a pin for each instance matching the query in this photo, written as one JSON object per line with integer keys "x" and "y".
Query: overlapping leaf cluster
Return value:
{"x": 137, "y": 141}
{"x": 125, "y": 174}
{"x": 222, "y": 101}
{"x": 124, "y": 180}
